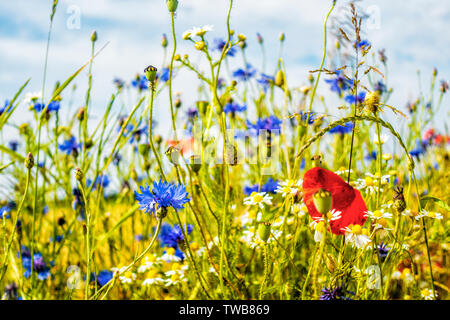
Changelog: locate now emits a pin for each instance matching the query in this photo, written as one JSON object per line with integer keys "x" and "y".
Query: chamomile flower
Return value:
{"x": 299, "y": 209}
{"x": 343, "y": 170}
{"x": 258, "y": 198}
{"x": 429, "y": 214}
{"x": 149, "y": 262}
{"x": 427, "y": 294}
{"x": 370, "y": 183}
{"x": 289, "y": 187}
{"x": 378, "y": 214}
{"x": 357, "y": 236}
{"x": 202, "y": 31}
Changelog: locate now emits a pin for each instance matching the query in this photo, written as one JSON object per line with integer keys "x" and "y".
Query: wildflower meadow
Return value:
{"x": 257, "y": 189}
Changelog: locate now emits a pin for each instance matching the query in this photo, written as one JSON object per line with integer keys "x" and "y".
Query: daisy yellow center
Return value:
{"x": 356, "y": 229}
{"x": 365, "y": 232}
{"x": 377, "y": 214}
{"x": 329, "y": 216}
{"x": 252, "y": 215}
{"x": 151, "y": 258}
{"x": 170, "y": 251}
{"x": 175, "y": 277}
{"x": 369, "y": 181}
{"x": 432, "y": 214}
{"x": 425, "y": 292}
{"x": 257, "y": 198}
{"x": 286, "y": 189}
{"x": 195, "y": 246}
{"x": 296, "y": 209}
{"x": 152, "y": 273}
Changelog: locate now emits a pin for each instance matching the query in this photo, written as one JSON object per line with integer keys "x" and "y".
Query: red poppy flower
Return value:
{"x": 345, "y": 198}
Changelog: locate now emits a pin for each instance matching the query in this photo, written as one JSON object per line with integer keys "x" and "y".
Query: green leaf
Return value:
{"x": 437, "y": 201}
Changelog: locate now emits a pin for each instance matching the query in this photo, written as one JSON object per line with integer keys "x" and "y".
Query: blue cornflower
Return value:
{"x": 302, "y": 164}
{"x": 5, "y": 107}
{"x": 233, "y": 108}
{"x": 363, "y": 44}
{"x": 271, "y": 123}
{"x": 138, "y": 237}
{"x": 307, "y": 116}
{"x": 140, "y": 82}
{"x": 192, "y": 113}
{"x": 138, "y": 132}
{"x": 119, "y": 83}
{"x": 69, "y": 146}
{"x": 342, "y": 129}
{"x": 219, "y": 44}
{"x": 337, "y": 293}
{"x": 383, "y": 251}
{"x": 371, "y": 156}
{"x": 270, "y": 186}
{"x": 103, "y": 277}
{"x": 163, "y": 195}
{"x": 4, "y": 210}
{"x": 102, "y": 180}
{"x": 173, "y": 236}
{"x": 360, "y": 98}
{"x": 265, "y": 81}
{"x": 117, "y": 158}
{"x": 165, "y": 74}
{"x": 13, "y": 145}
{"x": 52, "y": 106}
{"x": 419, "y": 150}
{"x": 45, "y": 209}
{"x": 339, "y": 83}
{"x": 39, "y": 265}
{"x": 380, "y": 87}
{"x": 245, "y": 74}
{"x": 58, "y": 238}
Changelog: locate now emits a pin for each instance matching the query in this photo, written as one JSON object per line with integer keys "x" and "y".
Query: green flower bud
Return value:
{"x": 399, "y": 200}
{"x": 279, "y": 78}
{"x": 81, "y": 113}
{"x": 282, "y": 37}
{"x": 264, "y": 231}
{"x": 94, "y": 36}
{"x": 158, "y": 139}
{"x": 164, "y": 41}
{"x": 173, "y": 154}
{"x": 150, "y": 73}
{"x": 372, "y": 102}
{"x": 202, "y": 106}
{"x": 143, "y": 149}
{"x": 172, "y": 5}
{"x": 195, "y": 163}
{"x": 79, "y": 174}
{"x": 322, "y": 201}
{"x": 29, "y": 161}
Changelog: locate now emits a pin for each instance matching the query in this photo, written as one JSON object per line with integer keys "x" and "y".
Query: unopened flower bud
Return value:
{"x": 150, "y": 73}
{"x": 372, "y": 101}
{"x": 94, "y": 36}
{"x": 164, "y": 41}
{"x": 81, "y": 113}
{"x": 282, "y": 36}
{"x": 199, "y": 45}
{"x": 158, "y": 139}
{"x": 172, "y": 5}
{"x": 195, "y": 163}
{"x": 29, "y": 161}
{"x": 259, "y": 38}
{"x": 78, "y": 174}
{"x": 143, "y": 149}
{"x": 322, "y": 201}
{"x": 264, "y": 231}
{"x": 279, "y": 78}
{"x": 399, "y": 200}
{"x": 173, "y": 154}
{"x": 242, "y": 37}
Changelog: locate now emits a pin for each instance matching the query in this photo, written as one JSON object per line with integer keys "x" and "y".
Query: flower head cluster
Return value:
{"x": 271, "y": 123}
{"x": 70, "y": 146}
{"x": 337, "y": 293}
{"x": 40, "y": 267}
{"x": 339, "y": 83}
{"x": 162, "y": 196}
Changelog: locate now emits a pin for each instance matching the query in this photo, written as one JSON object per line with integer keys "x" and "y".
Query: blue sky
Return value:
{"x": 412, "y": 32}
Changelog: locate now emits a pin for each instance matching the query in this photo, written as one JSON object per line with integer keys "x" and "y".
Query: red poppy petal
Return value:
{"x": 345, "y": 198}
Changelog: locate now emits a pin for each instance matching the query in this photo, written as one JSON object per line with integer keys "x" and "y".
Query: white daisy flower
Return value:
{"x": 31, "y": 97}
{"x": 152, "y": 281}
{"x": 202, "y": 31}
{"x": 258, "y": 198}
{"x": 289, "y": 187}
{"x": 427, "y": 294}
{"x": 429, "y": 214}
{"x": 378, "y": 214}
{"x": 355, "y": 235}
{"x": 299, "y": 209}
